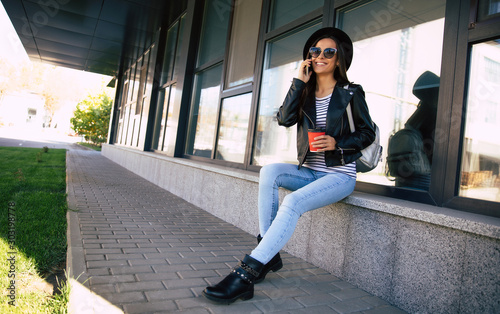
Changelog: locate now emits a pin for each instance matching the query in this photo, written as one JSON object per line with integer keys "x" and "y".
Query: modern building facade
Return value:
{"x": 198, "y": 85}
{"x": 211, "y": 91}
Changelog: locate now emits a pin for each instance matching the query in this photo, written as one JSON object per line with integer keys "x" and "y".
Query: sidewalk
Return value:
{"x": 141, "y": 249}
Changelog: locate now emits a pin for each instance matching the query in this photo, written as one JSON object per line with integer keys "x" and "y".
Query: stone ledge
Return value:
{"x": 418, "y": 257}
{"x": 441, "y": 216}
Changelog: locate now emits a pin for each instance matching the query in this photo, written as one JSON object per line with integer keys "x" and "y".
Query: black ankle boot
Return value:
{"x": 238, "y": 284}
{"x": 274, "y": 264}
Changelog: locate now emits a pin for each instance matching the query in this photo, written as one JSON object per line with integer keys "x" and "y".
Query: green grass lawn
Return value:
{"x": 32, "y": 228}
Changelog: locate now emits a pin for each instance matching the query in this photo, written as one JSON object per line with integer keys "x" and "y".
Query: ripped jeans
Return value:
{"x": 311, "y": 190}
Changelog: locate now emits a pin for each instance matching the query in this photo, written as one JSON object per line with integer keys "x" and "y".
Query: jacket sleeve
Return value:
{"x": 364, "y": 133}
{"x": 288, "y": 113}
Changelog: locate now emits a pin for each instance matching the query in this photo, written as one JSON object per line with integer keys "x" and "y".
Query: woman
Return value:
{"x": 317, "y": 98}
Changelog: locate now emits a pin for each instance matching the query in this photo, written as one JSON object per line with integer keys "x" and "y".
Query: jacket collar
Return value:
{"x": 338, "y": 104}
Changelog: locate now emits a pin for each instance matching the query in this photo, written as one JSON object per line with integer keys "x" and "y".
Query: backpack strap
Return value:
{"x": 349, "y": 113}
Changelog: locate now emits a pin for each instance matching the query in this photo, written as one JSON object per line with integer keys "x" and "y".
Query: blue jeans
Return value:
{"x": 311, "y": 190}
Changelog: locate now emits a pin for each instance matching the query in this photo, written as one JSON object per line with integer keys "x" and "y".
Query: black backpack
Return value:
{"x": 406, "y": 155}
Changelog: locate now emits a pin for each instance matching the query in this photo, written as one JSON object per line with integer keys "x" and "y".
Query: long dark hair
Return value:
{"x": 340, "y": 73}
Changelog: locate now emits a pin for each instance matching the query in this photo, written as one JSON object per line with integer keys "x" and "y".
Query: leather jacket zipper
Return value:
{"x": 342, "y": 161}
{"x": 307, "y": 146}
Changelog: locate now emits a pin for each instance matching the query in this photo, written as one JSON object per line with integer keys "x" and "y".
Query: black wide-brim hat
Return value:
{"x": 341, "y": 37}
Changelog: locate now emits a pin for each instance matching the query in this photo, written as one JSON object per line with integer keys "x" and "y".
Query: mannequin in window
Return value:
{"x": 410, "y": 149}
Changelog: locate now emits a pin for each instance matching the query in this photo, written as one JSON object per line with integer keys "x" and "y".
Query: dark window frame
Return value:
{"x": 199, "y": 69}
{"x": 254, "y": 86}
{"x": 460, "y": 35}
{"x": 223, "y": 93}
{"x": 170, "y": 83}
{"x": 264, "y": 37}
{"x": 470, "y": 32}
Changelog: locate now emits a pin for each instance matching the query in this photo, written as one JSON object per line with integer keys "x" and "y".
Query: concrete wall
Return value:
{"x": 423, "y": 259}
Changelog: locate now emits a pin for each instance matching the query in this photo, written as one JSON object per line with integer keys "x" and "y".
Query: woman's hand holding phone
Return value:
{"x": 305, "y": 71}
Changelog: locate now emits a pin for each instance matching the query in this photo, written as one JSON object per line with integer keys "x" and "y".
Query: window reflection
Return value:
{"x": 410, "y": 150}
{"x": 171, "y": 124}
{"x": 481, "y": 144}
{"x": 488, "y": 9}
{"x": 285, "y": 11}
{"x": 397, "y": 60}
{"x": 243, "y": 42}
{"x": 162, "y": 107}
{"x": 213, "y": 32}
{"x": 233, "y": 128}
{"x": 283, "y": 56}
{"x": 180, "y": 38}
{"x": 204, "y": 112}
{"x": 168, "y": 62}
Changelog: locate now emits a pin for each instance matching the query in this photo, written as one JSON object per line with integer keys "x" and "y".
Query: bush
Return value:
{"x": 91, "y": 118}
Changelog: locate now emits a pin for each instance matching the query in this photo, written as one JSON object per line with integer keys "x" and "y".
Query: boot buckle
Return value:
{"x": 249, "y": 270}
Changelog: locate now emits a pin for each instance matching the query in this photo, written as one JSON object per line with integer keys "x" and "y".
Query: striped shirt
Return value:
{"x": 316, "y": 160}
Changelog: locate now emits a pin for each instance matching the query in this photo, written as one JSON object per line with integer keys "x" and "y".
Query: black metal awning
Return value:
{"x": 92, "y": 35}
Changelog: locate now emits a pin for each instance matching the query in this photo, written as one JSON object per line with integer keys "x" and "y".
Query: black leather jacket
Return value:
{"x": 349, "y": 144}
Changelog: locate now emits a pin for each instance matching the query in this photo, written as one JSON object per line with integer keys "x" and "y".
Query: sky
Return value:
{"x": 12, "y": 48}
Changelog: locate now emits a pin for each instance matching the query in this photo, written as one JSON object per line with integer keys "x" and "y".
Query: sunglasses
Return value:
{"x": 327, "y": 53}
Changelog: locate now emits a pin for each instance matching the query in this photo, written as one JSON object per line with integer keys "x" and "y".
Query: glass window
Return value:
{"x": 142, "y": 85}
{"x": 488, "y": 9}
{"x": 151, "y": 71}
{"x": 203, "y": 113}
{"x": 285, "y": 11}
{"x": 161, "y": 119}
{"x": 124, "y": 96}
{"x": 397, "y": 60}
{"x": 273, "y": 143}
{"x": 130, "y": 77}
{"x": 148, "y": 73}
{"x": 233, "y": 130}
{"x": 481, "y": 145}
{"x": 165, "y": 127}
{"x": 168, "y": 61}
{"x": 179, "y": 44}
{"x": 134, "y": 84}
{"x": 214, "y": 31}
{"x": 171, "y": 124}
{"x": 140, "y": 93}
{"x": 243, "y": 43}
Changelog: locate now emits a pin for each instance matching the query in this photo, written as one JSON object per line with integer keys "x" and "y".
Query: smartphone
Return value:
{"x": 307, "y": 71}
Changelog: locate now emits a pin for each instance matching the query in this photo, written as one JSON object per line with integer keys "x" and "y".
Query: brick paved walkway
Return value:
{"x": 144, "y": 250}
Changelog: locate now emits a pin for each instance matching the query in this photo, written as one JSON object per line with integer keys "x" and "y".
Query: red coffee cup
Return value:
{"x": 312, "y": 133}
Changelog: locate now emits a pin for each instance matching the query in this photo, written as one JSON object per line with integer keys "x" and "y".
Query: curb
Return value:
{"x": 81, "y": 299}
{"x": 84, "y": 301}
{"x": 75, "y": 258}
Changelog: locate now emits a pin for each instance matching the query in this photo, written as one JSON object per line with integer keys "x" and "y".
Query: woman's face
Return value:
{"x": 322, "y": 65}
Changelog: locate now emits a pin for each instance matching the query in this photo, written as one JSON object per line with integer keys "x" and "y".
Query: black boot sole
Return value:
{"x": 244, "y": 296}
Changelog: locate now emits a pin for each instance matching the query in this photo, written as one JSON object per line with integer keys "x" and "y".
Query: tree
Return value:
{"x": 7, "y": 72}
{"x": 91, "y": 118}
